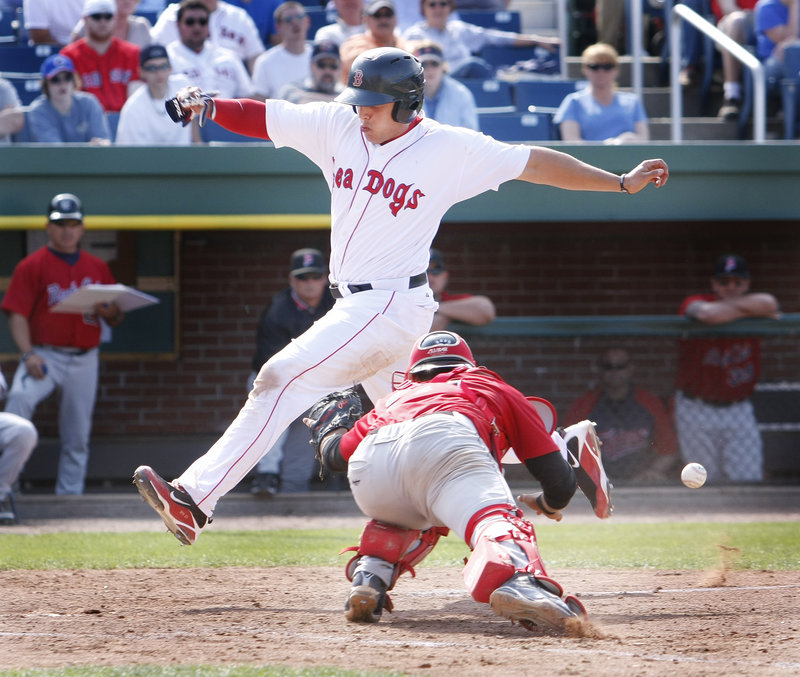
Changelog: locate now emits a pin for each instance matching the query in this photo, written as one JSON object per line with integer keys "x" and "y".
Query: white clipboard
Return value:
{"x": 85, "y": 299}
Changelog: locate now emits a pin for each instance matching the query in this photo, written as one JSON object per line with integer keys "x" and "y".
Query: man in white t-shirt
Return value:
{"x": 229, "y": 26}
{"x": 193, "y": 54}
{"x": 51, "y": 21}
{"x": 349, "y": 23}
{"x": 290, "y": 60}
{"x": 143, "y": 120}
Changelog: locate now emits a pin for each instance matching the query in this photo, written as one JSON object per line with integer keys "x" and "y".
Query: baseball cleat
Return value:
{"x": 584, "y": 447}
{"x": 367, "y": 599}
{"x": 8, "y": 510}
{"x": 180, "y": 513}
{"x": 523, "y": 599}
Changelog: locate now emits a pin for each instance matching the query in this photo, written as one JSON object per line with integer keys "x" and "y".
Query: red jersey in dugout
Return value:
{"x": 106, "y": 75}
{"x": 500, "y": 413}
{"x": 720, "y": 370}
{"x": 43, "y": 279}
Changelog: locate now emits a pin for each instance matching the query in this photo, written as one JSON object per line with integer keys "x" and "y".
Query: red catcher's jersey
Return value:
{"x": 43, "y": 279}
{"x": 501, "y": 414}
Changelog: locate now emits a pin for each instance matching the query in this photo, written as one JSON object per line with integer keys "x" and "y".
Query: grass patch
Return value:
{"x": 603, "y": 545}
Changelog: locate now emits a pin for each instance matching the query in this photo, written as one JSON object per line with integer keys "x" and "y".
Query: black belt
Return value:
{"x": 413, "y": 282}
{"x": 68, "y": 351}
{"x": 712, "y": 403}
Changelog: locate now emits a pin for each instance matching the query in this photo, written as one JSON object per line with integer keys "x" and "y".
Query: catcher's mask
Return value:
{"x": 386, "y": 75}
{"x": 437, "y": 352}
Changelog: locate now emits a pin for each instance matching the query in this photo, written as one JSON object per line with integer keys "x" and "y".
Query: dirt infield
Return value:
{"x": 643, "y": 622}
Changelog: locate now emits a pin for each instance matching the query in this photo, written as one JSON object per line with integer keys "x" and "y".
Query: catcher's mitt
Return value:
{"x": 337, "y": 410}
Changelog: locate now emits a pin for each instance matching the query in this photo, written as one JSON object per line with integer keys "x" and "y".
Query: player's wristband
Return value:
{"x": 622, "y": 187}
{"x": 25, "y": 356}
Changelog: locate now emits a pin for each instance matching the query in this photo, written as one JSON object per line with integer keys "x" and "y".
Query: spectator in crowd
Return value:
{"x": 59, "y": 350}
{"x": 716, "y": 376}
{"x": 204, "y": 63}
{"x": 51, "y": 21}
{"x": 735, "y": 19}
{"x": 467, "y": 308}
{"x": 143, "y": 120}
{"x": 127, "y": 25}
{"x": 777, "y": 27}
{"x": 380, "y": 21}
{"x": 350, "y": 22}
{"x": 324, "y": 83}
{"x": 289, "y": 61}
{"x": 487, "y": 5}
{"x": 292, "y": 311}
{"x": 446, "y": 100}
{"x": 599, "y": 112}
{"x": 12, "y": 119}
{"x": 229, "y": 26}
{"x": 18, "y": 438}
{"x": 639, "y": 442}
{"x": 107, "y": 65}
{"x": 63, "y": 115}
{"x": 460, "y": 40}
{"x": 262, "y": 14}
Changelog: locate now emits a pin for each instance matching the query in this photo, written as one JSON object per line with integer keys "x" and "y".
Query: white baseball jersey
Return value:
{"x": 143, "y": 120}
{"x": 229, "y": 26}
{"x": 59, "y": 16}
{"x": 277, "y": 67}
{"x": 338, "y": 32}
{"x": 387, "y": 200}
{"x": 214, "y": 69}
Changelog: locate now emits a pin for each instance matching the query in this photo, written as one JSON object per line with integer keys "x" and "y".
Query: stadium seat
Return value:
{"x": 8, "y": 25}
{"x": 503, "y": 19}
{"x": 214, "y": 133}
{"x": 113, "y": 122}
{"x": 495, "y": 94}
{"x": 28, "y": 86}
{"x": 516, "y": 126}
{"x": 543, "y": 93}
{"x": 24, "y": 58}
{"x": 506, "y": 56}
{"x": 319, "y": 18}
{"x": 790, "y": 89}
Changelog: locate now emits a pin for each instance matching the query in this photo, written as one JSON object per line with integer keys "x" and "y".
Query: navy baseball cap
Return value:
{"x": 731, "y": 265}
{"x": 55, "y": 64}
{"x": 308, "y": 261}
{"x": 325, "y": 49}
{"x": 65, "y": 206}
{"x": 152, "y": 52}
{"x": 429, "y": 52}
{"x": 436, "y": 264}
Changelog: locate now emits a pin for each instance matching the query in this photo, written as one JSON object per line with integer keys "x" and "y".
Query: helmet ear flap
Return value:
{"x": 406, "y": 111}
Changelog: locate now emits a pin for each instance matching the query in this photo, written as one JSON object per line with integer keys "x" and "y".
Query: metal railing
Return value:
{"x": 682, "y": 13}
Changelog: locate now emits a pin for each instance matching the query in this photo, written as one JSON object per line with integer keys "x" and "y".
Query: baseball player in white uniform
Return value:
{"x": 393, "y": 174}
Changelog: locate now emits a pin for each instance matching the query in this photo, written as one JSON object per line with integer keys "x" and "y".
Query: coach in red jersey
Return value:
{"x": 106, "y": 64}
{"x": 59, "y": 350}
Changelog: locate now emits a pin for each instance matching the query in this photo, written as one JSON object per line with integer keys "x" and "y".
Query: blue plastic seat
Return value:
{"x": 790, "y": 89}
{"x": 112, "y": 118}
{"x": 28, "y": 86}
{"x": 517, "y": 126}
{"x": 506, "y": 56}
{"x": 544, "y": 93}
{"x": 8, "y": 25}
{"x": 24, "y": 58}
{"x": 214, "y": 133}
{"x": 504, "y": 20}
{"x": 318, "y": 18}
{"x": 490, "y": 93}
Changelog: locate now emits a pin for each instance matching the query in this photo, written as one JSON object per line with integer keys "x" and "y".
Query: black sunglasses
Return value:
{"x": 309, "y": 276}
{"x": 383, "y": 14}
{"x": 191, "y": 21}
{"x": 327, "y": 65}
{"x": 105, "y": 16}
{"x": 601, "y": 66}
{"x": 61, "y": 77}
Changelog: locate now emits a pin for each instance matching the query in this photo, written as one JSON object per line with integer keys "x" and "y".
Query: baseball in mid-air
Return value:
{"x": 693, "y": 475}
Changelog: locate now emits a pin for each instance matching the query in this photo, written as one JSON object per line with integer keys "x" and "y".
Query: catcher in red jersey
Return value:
{"x": 427, "y": 459}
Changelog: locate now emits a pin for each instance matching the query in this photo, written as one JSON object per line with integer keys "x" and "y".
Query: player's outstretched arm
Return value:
{"x": 554, "y": 168}
{"x": 243, "y": 116}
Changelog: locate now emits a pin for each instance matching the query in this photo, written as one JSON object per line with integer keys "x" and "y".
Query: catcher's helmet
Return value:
{"x": 386, "y": 75}
{"x": 436, "y": 352}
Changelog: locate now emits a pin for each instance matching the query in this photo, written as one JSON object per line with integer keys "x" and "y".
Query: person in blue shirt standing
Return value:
{"x": 599, "y": 112}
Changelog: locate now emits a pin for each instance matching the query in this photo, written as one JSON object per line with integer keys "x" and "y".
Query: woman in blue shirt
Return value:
{"x": 599, "y": 112}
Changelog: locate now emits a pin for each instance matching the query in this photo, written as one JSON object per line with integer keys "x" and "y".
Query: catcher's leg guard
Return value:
{"x": 384, "y": 553}
{"x": 584, "y": 457}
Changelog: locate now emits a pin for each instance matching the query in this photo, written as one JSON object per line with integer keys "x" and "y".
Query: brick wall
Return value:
{"x": 527, "y": 269}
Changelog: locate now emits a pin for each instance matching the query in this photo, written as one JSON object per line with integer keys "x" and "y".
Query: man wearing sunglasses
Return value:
{"x": 639, "y": 442}
{"x": 288, "y": 61}
{"x": 599, "y": 112}
{"x": 716, "y": 376}
{"x": 229, "y": 26}
{"x": 108, "y": 66}
{"x": 289, "y": 465}
{"x": 381, "y": 22}
{"x": 59, "y": 351}
{"x": 200, "y": 60}
{"x": 324, "y": 84}
{"x": 143, "y": 120}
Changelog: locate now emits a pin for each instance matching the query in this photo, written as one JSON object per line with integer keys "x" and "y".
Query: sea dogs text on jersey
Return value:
{"x": 400, "y": 194}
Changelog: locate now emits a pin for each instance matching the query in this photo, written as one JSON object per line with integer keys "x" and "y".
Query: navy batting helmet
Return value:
{"x": 386, "y": 75}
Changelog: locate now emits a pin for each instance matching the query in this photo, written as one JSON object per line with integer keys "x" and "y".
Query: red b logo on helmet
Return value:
{"x": 358, "y": 78}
